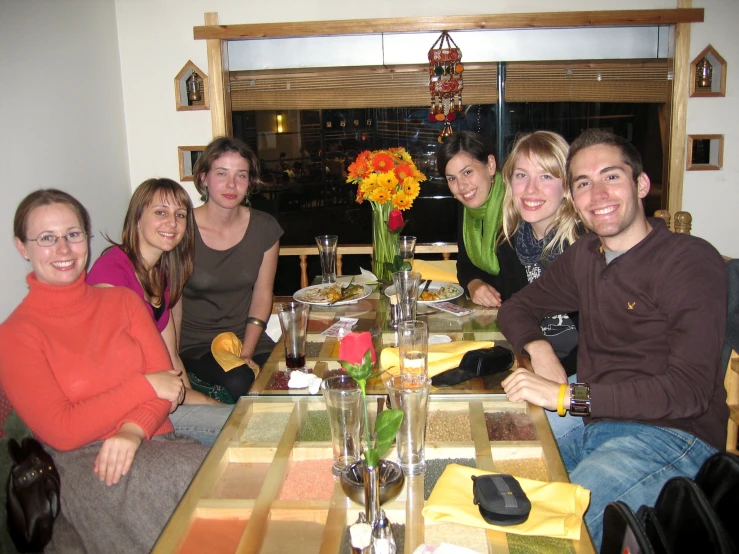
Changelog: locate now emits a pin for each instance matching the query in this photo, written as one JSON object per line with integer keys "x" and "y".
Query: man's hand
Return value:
{"x": 544, "y": 361}
{"x": 116, "y": 455}
{"x": 483, "y": 294}
{"x": 524, "y": 386}
{"x": 168, "y": 386}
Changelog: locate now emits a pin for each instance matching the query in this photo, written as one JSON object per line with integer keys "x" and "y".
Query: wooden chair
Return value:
{"x": 683, "y": 223}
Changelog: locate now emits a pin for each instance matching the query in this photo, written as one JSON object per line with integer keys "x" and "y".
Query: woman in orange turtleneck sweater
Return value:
{"x": 87, "y": 371}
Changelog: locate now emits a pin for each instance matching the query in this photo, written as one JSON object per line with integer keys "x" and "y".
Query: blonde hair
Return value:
{"x": 550, "y": 151}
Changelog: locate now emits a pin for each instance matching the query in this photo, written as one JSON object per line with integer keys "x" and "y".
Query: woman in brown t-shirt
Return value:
{"x": 236, "y": 251}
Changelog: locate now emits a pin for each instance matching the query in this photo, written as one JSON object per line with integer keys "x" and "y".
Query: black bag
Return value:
{"x": 476, "y": 363}
{"x": 718, "y": 478}
{"x": 501, "y": 499}
{"x": 623, "y": 532}
{"x": 33, "y": 495}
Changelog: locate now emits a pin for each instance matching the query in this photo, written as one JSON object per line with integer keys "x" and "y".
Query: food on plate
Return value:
{"x": 332, "y": 293}
{"x": 447, "y": 291}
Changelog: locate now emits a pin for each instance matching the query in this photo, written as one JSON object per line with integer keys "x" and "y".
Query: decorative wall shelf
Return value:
{"x": 191, "y": 88}
{"x": 708, "y": 74}
{"x": 705, "y": 152}
{"x": 187, "y": 156}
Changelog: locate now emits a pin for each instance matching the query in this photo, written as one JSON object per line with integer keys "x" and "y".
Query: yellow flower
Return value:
{"x": 411, "y": 188}
{"x": 405, "y": 156}
{"x": 387, "y": 180}
{"x": 368, "y": 183}
{"x": 418, "y": 176}
{"x": 401, "y": 201}
{"x": 379, "y": 195}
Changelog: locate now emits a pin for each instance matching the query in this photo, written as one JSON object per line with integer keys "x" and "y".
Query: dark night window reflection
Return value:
{"x": 304, "y": 167}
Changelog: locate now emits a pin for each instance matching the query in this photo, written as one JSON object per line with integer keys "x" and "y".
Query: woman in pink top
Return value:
{"x": 155, "y": 259}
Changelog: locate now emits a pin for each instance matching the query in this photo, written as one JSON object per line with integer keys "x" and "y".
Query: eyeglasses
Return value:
{"x": 50, "y": 240}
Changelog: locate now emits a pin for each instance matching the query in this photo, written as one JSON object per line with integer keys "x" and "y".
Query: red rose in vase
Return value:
{"x": 354, "y": 346}
{"x": 395, "y": 221}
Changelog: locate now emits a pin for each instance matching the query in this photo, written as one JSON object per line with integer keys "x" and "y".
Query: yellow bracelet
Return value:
{"x": 561, "y": 411}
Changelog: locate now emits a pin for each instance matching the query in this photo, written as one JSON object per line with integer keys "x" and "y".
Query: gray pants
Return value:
{"x": 128, "y": 517}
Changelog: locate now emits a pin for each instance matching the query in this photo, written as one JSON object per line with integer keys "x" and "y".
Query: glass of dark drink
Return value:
{"x": 294, "y": 322}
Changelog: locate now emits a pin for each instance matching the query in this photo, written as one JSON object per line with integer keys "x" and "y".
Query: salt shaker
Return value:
{"x": 383, "y": 541}
{"x": 361, "y": 535}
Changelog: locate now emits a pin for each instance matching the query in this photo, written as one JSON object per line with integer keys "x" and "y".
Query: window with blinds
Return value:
{"x": 380, "y": 87}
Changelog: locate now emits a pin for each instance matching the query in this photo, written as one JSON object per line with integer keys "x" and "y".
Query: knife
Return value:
{"x": 425, "y": 287}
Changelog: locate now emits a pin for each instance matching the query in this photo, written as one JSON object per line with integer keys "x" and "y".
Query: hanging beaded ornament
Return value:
{"x": 445, "y": 83}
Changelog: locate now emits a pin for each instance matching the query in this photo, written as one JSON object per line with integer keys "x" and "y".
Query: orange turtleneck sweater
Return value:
{"x": 73, "y": 359}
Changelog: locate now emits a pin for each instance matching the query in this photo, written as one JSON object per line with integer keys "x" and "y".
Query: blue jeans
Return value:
{"x": 202, "y": 422}
{"x": 563, "y": 426}
{"x": 628, "y": 461}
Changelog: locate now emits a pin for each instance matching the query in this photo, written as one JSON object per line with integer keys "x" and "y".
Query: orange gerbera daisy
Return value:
{"x": 382, "y": 162}
{"x": 358, "y": 169}
{"x": 379, "y": 195}
{"x": 401, "y": 201}
{"x": 411, "y": 188}
{"x": 387, "y": 180}
{"x": 403, "y": 170}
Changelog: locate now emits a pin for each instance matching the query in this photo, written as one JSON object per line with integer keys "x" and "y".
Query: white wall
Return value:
{"x": 61, "y": 118}
{"x": 712, "y": 197}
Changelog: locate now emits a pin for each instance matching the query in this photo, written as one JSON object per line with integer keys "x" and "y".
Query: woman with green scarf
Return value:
{"x": 490, "y": 274}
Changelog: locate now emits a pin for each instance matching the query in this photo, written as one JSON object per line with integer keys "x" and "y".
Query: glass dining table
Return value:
{"x": 373, "y": 315}
{"x": 266, "y": 486}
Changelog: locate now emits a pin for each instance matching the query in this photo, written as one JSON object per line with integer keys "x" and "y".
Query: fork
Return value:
{"x": 343, "y": 292}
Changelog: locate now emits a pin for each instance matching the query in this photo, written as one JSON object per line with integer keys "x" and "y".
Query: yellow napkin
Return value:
{"x": 556, "y": 508}
{"x": 437, "y": 270}
{"x": 226, "y": 349}
{"x": 441, "y": 356}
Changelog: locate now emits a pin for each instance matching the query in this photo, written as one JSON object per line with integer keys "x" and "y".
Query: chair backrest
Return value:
{"x": 730, "y": 358}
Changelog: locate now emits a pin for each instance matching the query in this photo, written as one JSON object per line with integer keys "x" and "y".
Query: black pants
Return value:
{"x": 236, "y": 381}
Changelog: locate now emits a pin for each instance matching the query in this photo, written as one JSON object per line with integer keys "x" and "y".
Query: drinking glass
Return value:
{"x": 406, "y": 288}
{"x": 293, "y": 318}
{"x": 410, "y": 394}
{"x": 413, "y": 347}
{"x": 407, "y": 248}
{"x": 344, "y": 407}
{"x": 327, "y": 246}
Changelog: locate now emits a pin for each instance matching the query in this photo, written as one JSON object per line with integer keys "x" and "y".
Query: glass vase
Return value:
{"x": 384, "y": 243}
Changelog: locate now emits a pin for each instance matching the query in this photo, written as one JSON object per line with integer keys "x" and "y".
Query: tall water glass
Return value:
{"x": 407, "y": 246}
{"x": 293, "y": 318}
{"x": 413, "y": 348}
{"x": 406, "y": 287}
{"x": 344, "y": 407}
{"x": 327, "y": 246}
{"x": 410, "y": 394}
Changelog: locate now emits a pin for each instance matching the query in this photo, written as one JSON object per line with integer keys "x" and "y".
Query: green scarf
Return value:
{"x": 480, "y": 228}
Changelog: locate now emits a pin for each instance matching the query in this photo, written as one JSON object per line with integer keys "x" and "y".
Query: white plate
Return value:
{"x": 312, "y": 295}
{"x": 435, "y": 286}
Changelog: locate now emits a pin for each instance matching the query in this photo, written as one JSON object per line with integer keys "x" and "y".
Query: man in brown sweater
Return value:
{"x": 652, "y": 319}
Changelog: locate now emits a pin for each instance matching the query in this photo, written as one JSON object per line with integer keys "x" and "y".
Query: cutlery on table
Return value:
{"x": 425, "y": 287}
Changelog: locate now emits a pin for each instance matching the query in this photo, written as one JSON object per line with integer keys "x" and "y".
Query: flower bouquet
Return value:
{"x": 391, "y": 182}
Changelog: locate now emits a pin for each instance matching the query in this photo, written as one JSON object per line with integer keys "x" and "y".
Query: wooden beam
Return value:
{"x": 219, "y": 85}
{"x": 679, "y": 114}
{"x": 542, "y": 20}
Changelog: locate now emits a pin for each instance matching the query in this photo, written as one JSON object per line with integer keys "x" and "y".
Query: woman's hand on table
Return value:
{"x": 524, "y": 386}
{"x": 483, "y": 294}
{"x": 117, "y": 453}
{"x": 168, "y": 386}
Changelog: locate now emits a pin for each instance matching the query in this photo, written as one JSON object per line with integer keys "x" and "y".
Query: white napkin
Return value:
{"x": 300, "y": 380}
{"x": 273, "y": 330}
{"x": 364, "y": 278}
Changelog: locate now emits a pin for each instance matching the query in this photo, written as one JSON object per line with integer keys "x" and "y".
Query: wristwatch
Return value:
{"x": 580, "y": 399}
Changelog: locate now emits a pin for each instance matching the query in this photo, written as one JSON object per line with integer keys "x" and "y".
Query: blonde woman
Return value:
{"x": 540, "y": 222}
